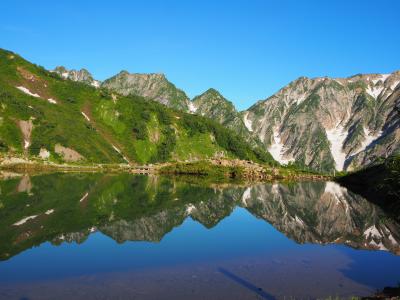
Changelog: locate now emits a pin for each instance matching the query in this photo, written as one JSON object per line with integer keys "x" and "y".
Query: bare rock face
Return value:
{"x": 152, "y": 86}
{"x": 81, "y": 75}
{"x": 327, "y": 124}
{"x": 68, "y": 154}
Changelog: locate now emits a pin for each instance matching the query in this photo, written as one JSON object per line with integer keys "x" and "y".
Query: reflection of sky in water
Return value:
{"x": 242, "y": 256}
{"x": 236, "y": 240}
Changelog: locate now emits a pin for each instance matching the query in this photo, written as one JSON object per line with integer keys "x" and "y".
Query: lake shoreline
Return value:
{"x": 210, "y": 168}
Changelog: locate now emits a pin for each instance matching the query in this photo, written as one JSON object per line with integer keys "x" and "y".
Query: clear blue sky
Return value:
{"x": 245, "y": 49}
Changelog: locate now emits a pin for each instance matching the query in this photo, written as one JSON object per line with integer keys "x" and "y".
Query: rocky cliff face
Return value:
{"x": 82, "y": 75}
{"x": 326, "y": 123}
{"x": 152, "y": 86}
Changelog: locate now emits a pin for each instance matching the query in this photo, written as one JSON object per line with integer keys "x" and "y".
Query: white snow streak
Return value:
{"x": 248, "y": 123}
{"x": 49, "y": 212}
{"x": 116, "y": 149}
{"x": 26, "y": 144}
{"x": 336, "y": 137}
{"x": 368, "y": 140}
{"x": 301, "y": 99}
{"x": 394, "y": 85}
{"x": 86, "y": 117}
{"x": 52, "y": 101}
{"x": 26, "y": 91}
{"x": 84, "y": 197}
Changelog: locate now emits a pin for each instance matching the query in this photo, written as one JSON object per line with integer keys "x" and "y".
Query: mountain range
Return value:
{"x": 67, "y": 116}
{"x": 321, "y": 123}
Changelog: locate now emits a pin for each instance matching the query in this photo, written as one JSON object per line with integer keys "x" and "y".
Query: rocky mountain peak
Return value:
{"x": 81, "y": 75}
{"x": 154, "y": 86}
{"x": 330, "y": 123}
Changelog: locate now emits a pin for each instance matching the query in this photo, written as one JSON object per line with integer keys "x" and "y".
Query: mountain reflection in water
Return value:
{"x": 65, "y": 208}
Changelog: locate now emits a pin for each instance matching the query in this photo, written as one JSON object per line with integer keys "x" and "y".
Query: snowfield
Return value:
{"x": 248, "y": 123}
{"x": 27, "y": 91}
{"x": 336, "y": 137}
{"x": 277, "y": 148}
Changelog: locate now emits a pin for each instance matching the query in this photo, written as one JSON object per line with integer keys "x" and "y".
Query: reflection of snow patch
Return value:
{"x": 275, "y": 189}
{"x": 28, "y": 92}
{"x": 86, "y": 117}
{"x": 49, "y": 212}
{"x": 372, "y": 232}
{"x": 24, "y": 220}
{"x": 248, "y": 123}
{"x": 246, "y": 196}
{"x": 190, "y": 208}
{"x": 298, "y": 220}
{"x": 336, "y": 137}
{"x": 277, "y": 149}
{"x": 338, "y": 192}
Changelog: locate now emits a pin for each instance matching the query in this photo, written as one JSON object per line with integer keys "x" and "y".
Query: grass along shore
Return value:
{"x": 210, "y": 168}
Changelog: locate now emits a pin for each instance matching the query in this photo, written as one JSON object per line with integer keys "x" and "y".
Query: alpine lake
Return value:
{"x": 123, "y": 236}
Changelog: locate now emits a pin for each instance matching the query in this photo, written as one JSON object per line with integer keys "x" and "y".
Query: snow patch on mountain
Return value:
{"x": 382, "y": 78}
{"x": 394, "y": 85}
{"x": 300, "y": 99}
{"x": 192, "y": 107}
{"x": 248, "y": 123}
{"x": 85, "y": 115}
{"x": 277, "y": 149}
{"x": 369, "y": 139}
{"x": 52, "y": 101}
{"x": 336, "y": 137}
{"x": 95, "y": 83}
{"x": 27, "y": 91}
{"x": 374, "y": 92}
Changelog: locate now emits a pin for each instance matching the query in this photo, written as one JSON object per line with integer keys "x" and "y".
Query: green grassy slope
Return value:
{"x": 103, "y": 127}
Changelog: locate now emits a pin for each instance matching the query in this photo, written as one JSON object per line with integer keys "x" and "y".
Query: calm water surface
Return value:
{"x": 93, "y": 236}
